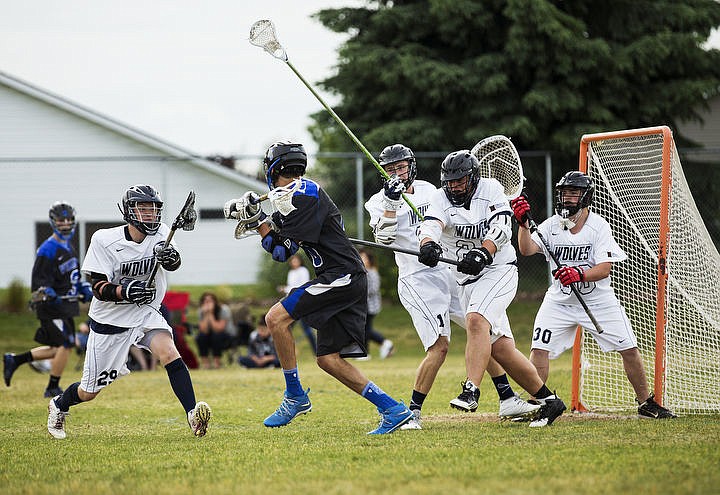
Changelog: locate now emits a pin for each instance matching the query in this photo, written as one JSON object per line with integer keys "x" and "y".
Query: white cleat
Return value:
{"x": 56, "y": 420}
{"x": 415, "y": 423}
{"x": 386, "y": 349}
{"x": 199, "y": 418}
{"x": 515, "y": 407}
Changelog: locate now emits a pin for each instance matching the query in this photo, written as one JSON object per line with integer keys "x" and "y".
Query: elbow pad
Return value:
{"x": 386, "y": 230}
{"x": 500, "y": 232}
{"x": 430, "y": 228}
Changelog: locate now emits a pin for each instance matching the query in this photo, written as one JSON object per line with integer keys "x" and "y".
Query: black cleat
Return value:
{"x": 552, "y": 408}
{"x": 467, "y": 400}
{"x": 653, "y": 410}
{"x": 9, "y": 367}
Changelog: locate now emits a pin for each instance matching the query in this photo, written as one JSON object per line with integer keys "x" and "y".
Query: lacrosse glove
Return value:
{"x": 137, "y": 291}
{"x": 84, "y": 290}
{"x": 430, "y": 253}
{"x": 168, "y": 257}
{"x": 280, "y": 247}
{"x": 393, "y": 189}
{"x": 474, "y": 261}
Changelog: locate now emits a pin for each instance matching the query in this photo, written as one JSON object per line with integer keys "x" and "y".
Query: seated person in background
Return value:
{"x": 212, "y": 336}
{"x": 261, "y": 348}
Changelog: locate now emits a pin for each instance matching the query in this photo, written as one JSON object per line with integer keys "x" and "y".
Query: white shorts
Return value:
{"x": 490, "y": 296}
{"x": 107, "y": 354}
{"x": 555, "y": 325}
{"x": 431, "y": 298}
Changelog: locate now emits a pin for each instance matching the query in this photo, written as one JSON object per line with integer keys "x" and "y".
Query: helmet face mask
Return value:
{"x": 284, "y": 158}
{"x": 142, "y": 208}
{"x": 62, "y": 220}
{"x": 459, "y": 177}
{"x": 573, "y": 193}
{"x": 396, "y": 154}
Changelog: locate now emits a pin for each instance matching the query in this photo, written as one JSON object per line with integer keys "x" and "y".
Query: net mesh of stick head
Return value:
{"x": 262, "y": 34}
{"x": 500, "y": 160}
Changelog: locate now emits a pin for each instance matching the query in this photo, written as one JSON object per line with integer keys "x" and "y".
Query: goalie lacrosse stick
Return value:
{"x": 398, "y": 250}
{"x": 185, "y": 220}
{"x": 262, "y": 34}
{"x": 500, "y": 160}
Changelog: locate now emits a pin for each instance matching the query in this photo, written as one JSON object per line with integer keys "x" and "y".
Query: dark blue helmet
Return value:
{"x": 61, "y": 210}
{"x": 145, "y": 218}
{"x": 573, "y": 180}
{"x": 283, "y": 158}
{"x": 397, "y": 153}
{"x": 455, "y": 166}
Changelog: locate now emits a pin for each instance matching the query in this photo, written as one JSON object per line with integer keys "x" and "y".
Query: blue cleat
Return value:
{"x": 290, "y": 407}
{"x": 392, "y": 419}
{"x": 9, "y": 367}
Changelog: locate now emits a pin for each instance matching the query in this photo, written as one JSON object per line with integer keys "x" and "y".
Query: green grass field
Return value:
{"x": 134, "y": 438}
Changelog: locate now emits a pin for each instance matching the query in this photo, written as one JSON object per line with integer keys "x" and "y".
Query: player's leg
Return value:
{"x": 424, "y": 378}
{"x": 59, "y": 361}
{"x": 511, "y": 405}
{"x": 12, "y": 361}
{"x": 541, "y": 360}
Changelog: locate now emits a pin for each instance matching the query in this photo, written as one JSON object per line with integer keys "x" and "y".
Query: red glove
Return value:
{"x": 569, "y": 275}
{"x": 521, "y": 209}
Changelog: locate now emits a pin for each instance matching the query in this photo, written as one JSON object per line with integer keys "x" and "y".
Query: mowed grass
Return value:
{"x": 134, "y": 437}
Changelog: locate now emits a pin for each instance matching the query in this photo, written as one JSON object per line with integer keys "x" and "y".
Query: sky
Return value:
{"x": 180, "y": 70}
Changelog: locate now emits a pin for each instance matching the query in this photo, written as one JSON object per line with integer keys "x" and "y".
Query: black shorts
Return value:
{"x": 58, "y": 332}
{"x": 336, "y": 305}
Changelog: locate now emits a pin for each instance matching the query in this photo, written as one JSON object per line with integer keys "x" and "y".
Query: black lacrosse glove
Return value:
{"x": 279, "y": 246}
{"x": 430, "y": 253}
{"x": 474, "y": 261}
{"x": 168, "y": 257}
{"x": 137, "y": 291}
{"x": 393, "y": 189}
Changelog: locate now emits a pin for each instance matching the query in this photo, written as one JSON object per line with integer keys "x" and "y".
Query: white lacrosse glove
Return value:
{"x": 393, "y": 190}
{"x": 232, "y": 209}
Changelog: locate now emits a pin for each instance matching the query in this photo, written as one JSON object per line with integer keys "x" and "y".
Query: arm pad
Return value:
{"x": 385, "y": 230}
{"x": 431, "y": 228}
{"x": 102, "y": 289}
{"x": 500, "y": 231}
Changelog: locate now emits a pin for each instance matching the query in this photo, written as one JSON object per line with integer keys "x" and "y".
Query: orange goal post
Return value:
{"x": 669, "y": 285}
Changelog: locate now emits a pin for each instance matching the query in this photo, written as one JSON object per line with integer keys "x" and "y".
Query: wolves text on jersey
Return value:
{"x": 475, "y": 231}
{"x": 573, "y": 253}
{"x": 413, "y": 217}
{"x": 137, "y": 268}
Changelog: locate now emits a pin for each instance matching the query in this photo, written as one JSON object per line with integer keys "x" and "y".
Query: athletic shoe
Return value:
{"x": 386, "y": 349}
{"x": 52, "y": 392}
{"x": 651, "y": 409}
{"x": 515, "y": 407}
{"x": 551, "y": 409}
{"x": 467, "y": 400}
{"x": 41, "y": 366}
{"x": 198, "y": 418}
{"x": 392, "y": 418}
{"x": 290, "y": 407}
{"x": 56, "y": 420}
{"x": 9, "y": 367}
{"x": 415, "y": 423}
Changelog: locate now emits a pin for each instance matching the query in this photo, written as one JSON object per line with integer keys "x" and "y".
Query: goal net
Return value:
{"x": 669, "y": 285}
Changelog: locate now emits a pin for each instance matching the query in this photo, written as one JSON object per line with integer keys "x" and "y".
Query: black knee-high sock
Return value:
{"x": 543, "y": 393}
{"x": 503, "y": 387}
{"x": 181, "y": 383}
{"x": 416, "y": 402}
{"x": 69, "y": 398}
{"x": 54, "y": 382}
{"x": 23, "y": 358}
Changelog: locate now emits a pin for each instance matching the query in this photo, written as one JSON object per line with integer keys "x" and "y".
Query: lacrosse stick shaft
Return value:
{"x": 573, "y": 288}
{"x": 179, "y": 221}
{"x": 397, "y": 249}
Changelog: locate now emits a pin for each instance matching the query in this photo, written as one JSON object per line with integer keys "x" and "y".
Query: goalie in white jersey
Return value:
{"x": 584, "y": 245}
{"x": 125, "y": 309}
{"x": 429, "y": 294}
{"x": 470, "y": 218}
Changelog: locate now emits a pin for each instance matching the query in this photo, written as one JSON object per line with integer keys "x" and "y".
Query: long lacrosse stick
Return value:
{"x": 262, "y": 34}
{"x": 39, "y": 296}
{"x": 185, "y": 220}
{"x": 500, "y": 160}
{"x": 398, "y": 250}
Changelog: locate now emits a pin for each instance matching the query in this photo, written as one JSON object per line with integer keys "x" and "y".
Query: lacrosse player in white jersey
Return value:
{"x": 125, "y": 309}
{"x": 584, "y": 245}
{"x": 429, "y": 294}
{"x": 470, "y": 218}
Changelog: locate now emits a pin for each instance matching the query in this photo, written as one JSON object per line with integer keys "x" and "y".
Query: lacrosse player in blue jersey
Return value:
{"x": 57, "y": 286}
{"x": 335, "y": 302}
{"x": 125, "y": 310}
{"x": 429, "y": 294}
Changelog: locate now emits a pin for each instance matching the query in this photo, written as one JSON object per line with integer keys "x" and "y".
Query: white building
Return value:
{"x": 53, "y": 149}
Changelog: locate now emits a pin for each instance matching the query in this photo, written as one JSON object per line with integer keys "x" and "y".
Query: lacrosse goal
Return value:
{"x": 669, "y": 285}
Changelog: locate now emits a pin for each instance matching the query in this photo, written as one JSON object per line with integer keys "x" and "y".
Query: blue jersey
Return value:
{"x": 56, "y": 265}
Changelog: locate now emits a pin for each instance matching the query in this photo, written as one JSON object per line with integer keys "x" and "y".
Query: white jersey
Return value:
{"x": 407, "y": 224}
{"x": 464, "y": 229}
{"x": 593, "y": 244}
{"x": 113, "y": 255}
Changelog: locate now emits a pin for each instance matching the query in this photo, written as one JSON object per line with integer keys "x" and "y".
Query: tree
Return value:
{"x": 442, "y": 74}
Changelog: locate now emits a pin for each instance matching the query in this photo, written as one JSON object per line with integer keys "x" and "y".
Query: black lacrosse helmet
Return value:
{"x": 284, "y": 158}
{"x": 457, "y": 165}
{"x": 573, "y": 180}
{"x": 61, "y": 210}
{"x": 397, "y": 153}
{"x": 142, "y": 193}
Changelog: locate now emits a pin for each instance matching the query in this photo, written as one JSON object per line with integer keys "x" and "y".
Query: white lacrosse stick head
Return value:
{"x": 499, "y": 160}
{"x": 262, "y": 34}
